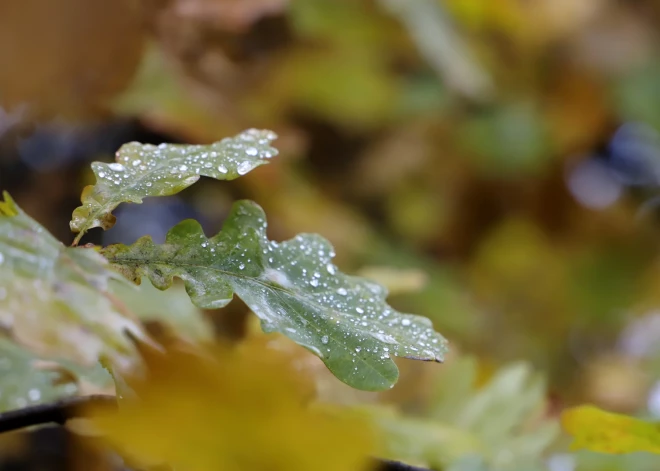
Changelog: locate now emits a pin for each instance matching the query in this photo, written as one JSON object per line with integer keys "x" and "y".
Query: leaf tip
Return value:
{"x": 8, "y": 207}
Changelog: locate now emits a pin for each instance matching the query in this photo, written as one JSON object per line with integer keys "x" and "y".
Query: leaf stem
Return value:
{"x": 77, "y": 239}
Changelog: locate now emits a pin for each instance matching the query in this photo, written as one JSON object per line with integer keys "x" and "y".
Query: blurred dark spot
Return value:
{"x": 154, "y": 217}
{"x": 332, "y": 151}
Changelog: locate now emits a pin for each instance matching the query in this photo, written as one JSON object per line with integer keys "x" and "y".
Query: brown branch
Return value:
{"x": 55, "y": 412}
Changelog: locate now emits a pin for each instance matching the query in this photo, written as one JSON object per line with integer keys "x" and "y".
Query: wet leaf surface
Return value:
{"x": 143, "y": 170}
{"x": 293, "y": 287}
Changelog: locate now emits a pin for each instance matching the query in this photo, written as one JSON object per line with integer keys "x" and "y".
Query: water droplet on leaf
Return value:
{"x": 244, "y": 167}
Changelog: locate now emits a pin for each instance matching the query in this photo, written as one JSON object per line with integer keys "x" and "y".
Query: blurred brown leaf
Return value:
{"x": 67, "y": 57}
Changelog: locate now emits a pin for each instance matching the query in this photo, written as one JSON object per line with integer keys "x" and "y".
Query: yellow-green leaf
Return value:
{"x": 606, "y": 432}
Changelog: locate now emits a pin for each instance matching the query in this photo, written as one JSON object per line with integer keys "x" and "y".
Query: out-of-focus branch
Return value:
{"x": 55, "y": 412}
{"x": 60, "y": 411}
{"x": 441, "y": 45}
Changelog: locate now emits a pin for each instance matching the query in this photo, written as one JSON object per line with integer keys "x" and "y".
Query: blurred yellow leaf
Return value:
{"x": 362, "y": 95}
{"x": 528, "y": 23}
{"x": 320, "y": 382}
{"x": 598, "y": 430}
{"x": 479, "y": 13}
{"x": 238, "y": 410}
{"x": 396, "y": 280}
{"x": 509, "y": 257}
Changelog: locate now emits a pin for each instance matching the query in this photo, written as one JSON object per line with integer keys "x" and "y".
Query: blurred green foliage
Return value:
{"x": 500, "y": 425}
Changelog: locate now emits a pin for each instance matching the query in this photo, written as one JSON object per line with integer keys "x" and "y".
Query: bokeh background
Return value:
{"x": 495, "y": 163}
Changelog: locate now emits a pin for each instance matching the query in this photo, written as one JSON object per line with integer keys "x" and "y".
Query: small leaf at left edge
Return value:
{"x": 54, "y": 299}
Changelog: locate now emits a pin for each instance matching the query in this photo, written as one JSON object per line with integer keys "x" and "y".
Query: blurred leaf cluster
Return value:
{"x": 502, "y": 424}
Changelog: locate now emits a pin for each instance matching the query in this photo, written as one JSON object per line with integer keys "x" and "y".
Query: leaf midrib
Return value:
{"x": 265, "y": 285}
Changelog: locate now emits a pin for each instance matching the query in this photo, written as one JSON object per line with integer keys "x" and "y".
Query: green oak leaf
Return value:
{"x": 143, "y": 170}
{"x": 54, "y": 299}
{"x": 293, "y": 287}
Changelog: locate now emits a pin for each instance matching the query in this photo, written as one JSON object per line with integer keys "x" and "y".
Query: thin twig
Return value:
{"x": 388, "y": 465}
{"x": 55, "y": 412}
{"x": 73, "y": 407}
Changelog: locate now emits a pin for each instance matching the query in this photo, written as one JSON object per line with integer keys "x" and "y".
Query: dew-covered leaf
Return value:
{"x": 143, "y": 170}
{"x": 54, "y": 299}
{"x": 293, "y": 287}
{"x": 606, "y": 432}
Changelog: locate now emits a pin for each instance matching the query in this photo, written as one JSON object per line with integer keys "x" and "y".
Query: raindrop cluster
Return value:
{"x": 149, "y": 170}
{"x": 143, "y": 170}
{"x": 296, "y": 289}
